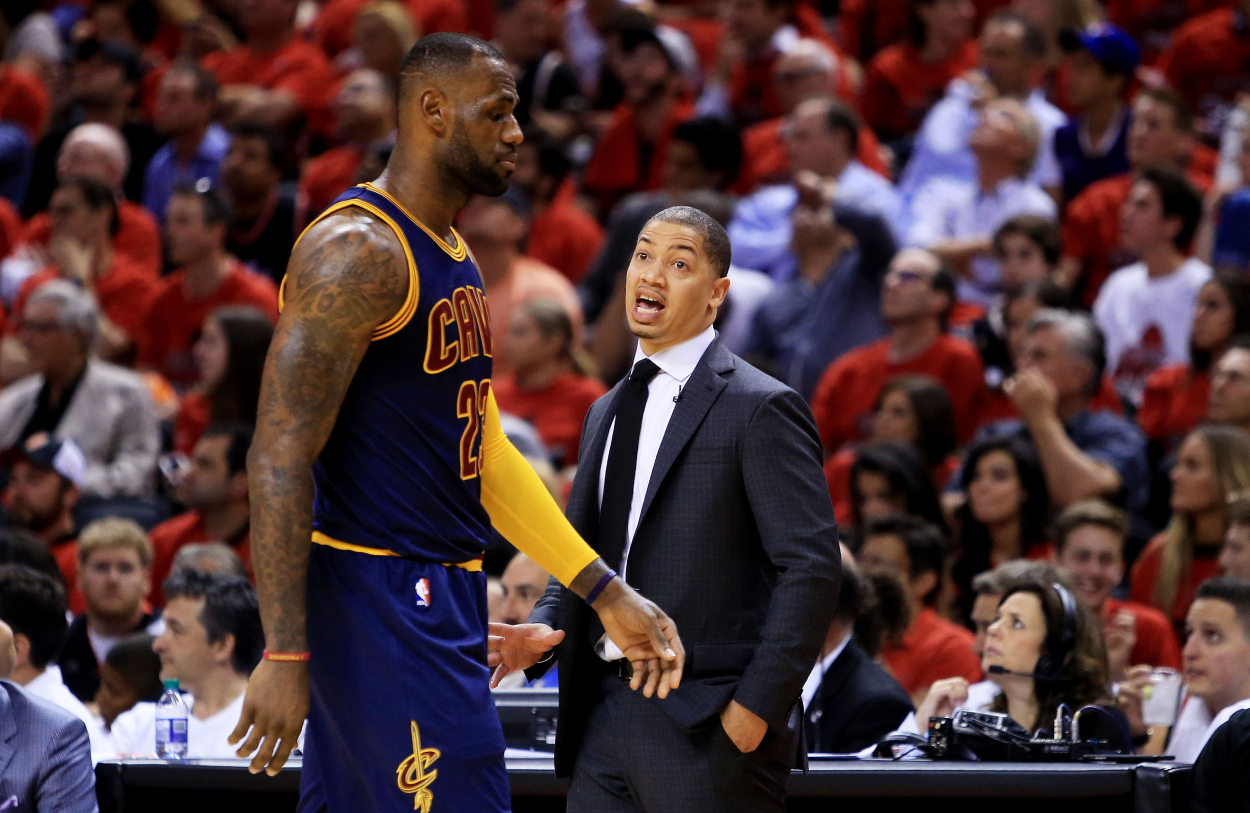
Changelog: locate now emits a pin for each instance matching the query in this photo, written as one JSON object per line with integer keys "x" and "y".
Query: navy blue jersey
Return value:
{"x": 400, "y": 471}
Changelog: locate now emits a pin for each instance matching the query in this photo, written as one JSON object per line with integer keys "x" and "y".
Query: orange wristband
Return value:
{"x": 287, "y": 657}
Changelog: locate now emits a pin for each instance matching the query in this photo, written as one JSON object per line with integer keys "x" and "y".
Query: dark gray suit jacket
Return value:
{"x": 736, "y": 542}
{"x": 45, "y": 756}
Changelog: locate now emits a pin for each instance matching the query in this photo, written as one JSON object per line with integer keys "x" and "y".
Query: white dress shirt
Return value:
{"x": 676, "y": 365}
{"x": 50, "y": 686}
{"x": 818, "y": 672}
{"x": 1194, "y": 726}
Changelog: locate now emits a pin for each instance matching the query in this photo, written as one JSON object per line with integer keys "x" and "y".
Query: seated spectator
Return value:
{"x": 1160, "y": 135}
{"x": 493, "y": 228}
{"x": 44, "y": 478}
{"x": 129, "y": 674}
{"x": 632, "y": 151}
{"x": 956, "y": 218}
{"x": 832, "y": 301}
{"x": 1217, "y": 664}
{"x": 1205, "y": 63}
{"x": 210, "y": 557}
{"x": 1234, "y": 557}
{"x": 523, "y": 583}
{"x": 1033, "y": 668}
{"x": 889, "y": 477}
{"x": 1012, "y": 50}
{"x": 550, "y": 384}
{"x": 822, "y": 138}
{"x": 1218, "y": 779}
{"x": 1004, "y": 516}
{"x": 50, "y": 753}
{"x": 84, "y": 222}
{"x": 33, "y": 606}
{"x": 1175, "y": 398}
{"x": 206, "y": 278}
{"x": 1093, "y": 144}
{"x": 212, "y": 642}
{"x": 990, "y": 587}
{"x": 229, "y": 356}
{"x": 1145, "y": 309}
{"x": 757, "y": 32}
{"x": 99, "y": 152}
{"x": 267, "y": 219}
{"x": 850, "y": 702}
{"x": 1089, "y": 539}
{"x": 365, "y": 110}
{"x": 114, "y": 576}
{"x": 932, "y": 648}
{"x": 904, "y": 80}
{"x": 1230, "y": 387}
{"x": 1083, "y": 453}
{"x": 197, "y": 145}
{"x": 380, "y": 36}
{"x": 1212, "y": 466}
{"x": 104, "y": 409}
{"x": 19, "y": 546}
{"x": 548, "y": 92}
{"x": 214, "y": 490}
{"x": 103, "y": 85}
{"x": 806, "y": 70}
{"x": 911, "y": 409}
{"x": 916, "y": 299}
{"x": 273, "y": 76}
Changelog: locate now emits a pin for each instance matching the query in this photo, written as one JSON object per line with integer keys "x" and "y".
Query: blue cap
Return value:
{"x": 1114, "y": 49}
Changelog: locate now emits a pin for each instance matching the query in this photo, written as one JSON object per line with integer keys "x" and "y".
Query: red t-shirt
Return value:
{"x": 564, "y": 236}
{"x": 557, "y": 412}
{"x": 1175, "y": 402}
{"x": 838, "y": 475}
{"x": 1146, "y": 573}
{"x": 329, "y": 175}
{"x": 24, "y": 100}
{"x": 66, "y": 554}
{"x": 10, "y": 228}
{"x": 174, "y": 321}
{"x": 434, "y": 16}
{"x": 1154, "y": 22}
{"x": 615, "y": 169}
{"x": 138, "y": 236}
{"x": 843, "y": 401}
{"x": 932, "y": 649}
{"x": 333, "y": 29}
{"x": 299, "y": 69}
{"x": 765, "y": 160}
{"x": 124, "y": 293}
{"x": 194, "y": 415}
{"x": 899, "y": 88}
{"x": 186, "y": 529}
{"x": 1206, "y": 61}
{"x": 1156, "y": 640}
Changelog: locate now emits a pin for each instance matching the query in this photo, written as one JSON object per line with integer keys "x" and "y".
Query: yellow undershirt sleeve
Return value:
{"x": 521, "y": 508}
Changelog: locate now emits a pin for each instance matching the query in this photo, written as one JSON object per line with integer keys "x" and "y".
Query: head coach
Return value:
{"x": 701, "y": 481}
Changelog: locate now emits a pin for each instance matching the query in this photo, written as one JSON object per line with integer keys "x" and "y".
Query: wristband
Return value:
{"x": 600, "y": 586}
{"x": 286, "y": 657}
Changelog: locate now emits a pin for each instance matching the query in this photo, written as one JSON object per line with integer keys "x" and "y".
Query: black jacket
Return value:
{"x": 857, "y": 704}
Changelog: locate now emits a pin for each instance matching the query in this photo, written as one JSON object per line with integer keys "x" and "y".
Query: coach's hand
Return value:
{"x": 646, "y": 635}
{"x": 517, "y": 647}
{"x": 274, "y": 708}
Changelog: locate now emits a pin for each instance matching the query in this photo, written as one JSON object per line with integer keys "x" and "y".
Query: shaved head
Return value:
{"x": 96, "y": 151}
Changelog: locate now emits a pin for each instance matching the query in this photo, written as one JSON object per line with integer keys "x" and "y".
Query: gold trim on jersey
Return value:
{"x": 397, "y": 322}
{"x": 473, "y": 565}
{"x": 458, "y": 253}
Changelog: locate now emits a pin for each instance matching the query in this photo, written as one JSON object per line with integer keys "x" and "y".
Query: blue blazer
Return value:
{"x": 45, "y": 757}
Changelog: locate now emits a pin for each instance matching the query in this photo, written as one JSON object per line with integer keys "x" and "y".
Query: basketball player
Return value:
{"x": 379, "y": 466}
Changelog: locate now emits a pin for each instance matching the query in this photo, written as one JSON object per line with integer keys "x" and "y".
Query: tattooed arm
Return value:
{"x": 346, "y": 277}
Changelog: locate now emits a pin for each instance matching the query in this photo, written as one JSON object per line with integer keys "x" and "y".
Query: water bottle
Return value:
{"x": 171, "y": 723}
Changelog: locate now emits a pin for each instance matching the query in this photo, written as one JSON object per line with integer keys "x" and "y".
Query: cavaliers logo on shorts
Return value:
{"x": 414, "y": 774}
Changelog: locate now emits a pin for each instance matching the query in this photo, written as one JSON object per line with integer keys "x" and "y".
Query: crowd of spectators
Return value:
{"x": 1001, "y": 247}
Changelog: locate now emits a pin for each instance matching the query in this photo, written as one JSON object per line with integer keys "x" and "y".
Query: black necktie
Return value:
{"x": 618, "y": 484}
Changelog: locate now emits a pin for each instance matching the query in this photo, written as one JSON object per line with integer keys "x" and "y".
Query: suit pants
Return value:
{"x": 635, "y": 758}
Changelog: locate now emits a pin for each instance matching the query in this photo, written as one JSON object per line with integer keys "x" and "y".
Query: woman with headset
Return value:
{"x": 1044, "y": 650}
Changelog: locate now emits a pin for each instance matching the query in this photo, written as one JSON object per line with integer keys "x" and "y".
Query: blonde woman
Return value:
{"x": 1212, "y": 467}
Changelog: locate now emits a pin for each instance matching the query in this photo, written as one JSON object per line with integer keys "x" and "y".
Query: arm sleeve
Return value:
{"x": 521, "y": 508}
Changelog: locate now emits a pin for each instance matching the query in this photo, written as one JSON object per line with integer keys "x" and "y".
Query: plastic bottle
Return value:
{"x": 171, "y": 723}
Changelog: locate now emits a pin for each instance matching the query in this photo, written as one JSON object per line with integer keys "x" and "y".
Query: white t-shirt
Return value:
{"x": 134, "y": 731}
{"x": 1195, "y": 725}
{"x": 51, "y": 687}
{"x": 1147, "y": 321}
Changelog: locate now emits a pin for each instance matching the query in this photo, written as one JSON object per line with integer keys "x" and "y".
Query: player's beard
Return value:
{"x": 463, "y": 161}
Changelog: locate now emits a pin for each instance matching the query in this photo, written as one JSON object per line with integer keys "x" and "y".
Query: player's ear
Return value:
{"x": 436, "y": 110}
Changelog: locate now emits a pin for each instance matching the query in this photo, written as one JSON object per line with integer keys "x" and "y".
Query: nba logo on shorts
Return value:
{"x": 423, "y": 592}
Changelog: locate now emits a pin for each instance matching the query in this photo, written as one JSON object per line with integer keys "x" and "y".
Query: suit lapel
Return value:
{"x": 701, "y": 391}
